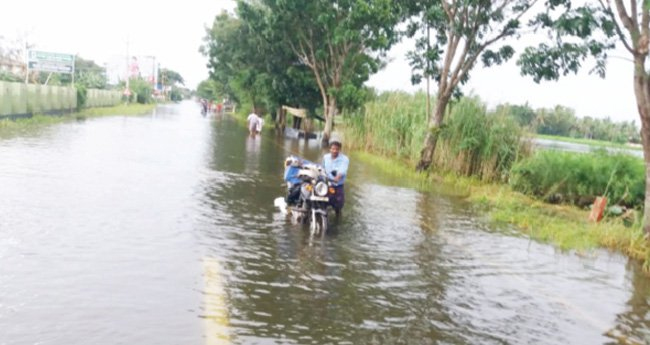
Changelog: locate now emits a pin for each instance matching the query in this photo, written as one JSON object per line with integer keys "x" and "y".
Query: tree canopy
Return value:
{"x": 463, "y": 31}
{"x": 286, "y": 51}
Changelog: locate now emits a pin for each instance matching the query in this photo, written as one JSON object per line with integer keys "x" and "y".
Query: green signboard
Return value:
{"x": 50, "y": 62}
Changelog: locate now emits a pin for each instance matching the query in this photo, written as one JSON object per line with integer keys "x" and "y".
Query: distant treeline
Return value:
{"x": 562, "y": 121}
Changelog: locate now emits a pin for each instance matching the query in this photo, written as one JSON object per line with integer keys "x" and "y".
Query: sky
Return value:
{"x": 587, "y": 95}
{"x": 173, "y": 32}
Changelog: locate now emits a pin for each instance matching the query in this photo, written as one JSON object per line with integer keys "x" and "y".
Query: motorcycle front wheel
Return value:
{"x": 318, "y": 223}
{"x": 322, "y": 221}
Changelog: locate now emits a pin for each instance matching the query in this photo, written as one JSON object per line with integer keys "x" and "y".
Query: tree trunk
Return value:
{"x": 645, "y": 138}
{"x": 330, "y": 112}
{"x": 280, "y": 120}
{"x": 433, "y": 130}
{"x": 642, "y": 94}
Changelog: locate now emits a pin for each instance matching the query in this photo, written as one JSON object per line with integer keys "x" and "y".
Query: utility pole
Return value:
{"x": 26, "y": 62}
{"x": 164, "y": 81}
{"x": 154, "y": 72}
{"x": 74, "y": 67}
{"x": 127, "y": 91}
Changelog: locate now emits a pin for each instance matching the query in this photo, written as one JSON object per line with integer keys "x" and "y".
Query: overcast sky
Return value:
{"x": 99, "y": 30}
{"x": 588, "y": 95}
{"x": 173, "y": 32}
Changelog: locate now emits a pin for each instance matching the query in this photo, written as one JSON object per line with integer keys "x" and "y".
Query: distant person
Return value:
{"x": 260, "y": 124}
{"x": 204, "y": 107}
{"x": 336, "y": 167}
{"x": 253, "y": 122}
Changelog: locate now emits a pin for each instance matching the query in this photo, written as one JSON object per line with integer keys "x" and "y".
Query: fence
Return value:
{"x": 22, "y": 100}
{"x": 102, "y": 98}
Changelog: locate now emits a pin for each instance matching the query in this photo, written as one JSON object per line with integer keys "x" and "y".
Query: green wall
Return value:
{"x": 28, "y": 99}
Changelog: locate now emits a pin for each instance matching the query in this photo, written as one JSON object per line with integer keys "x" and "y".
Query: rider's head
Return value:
{"x": 335, "y": 147}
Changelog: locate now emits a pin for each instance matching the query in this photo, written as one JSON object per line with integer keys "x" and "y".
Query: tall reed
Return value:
{"x": 476, "y": 143}
{"x": 471, "y": 142}
{"x": 394, "y": 124}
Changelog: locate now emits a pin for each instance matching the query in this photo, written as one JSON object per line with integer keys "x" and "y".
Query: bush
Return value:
{"x": 82, "y": 96}
{"x": 142, "y": 89}
{"x": 578, "y": 178}
{"x": 8, "y": 76}
{"x": 176, "y": 95}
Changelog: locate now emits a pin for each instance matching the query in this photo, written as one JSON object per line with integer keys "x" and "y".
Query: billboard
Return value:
{"x": 50, "y": 62}
{"x": 118, "y": 68}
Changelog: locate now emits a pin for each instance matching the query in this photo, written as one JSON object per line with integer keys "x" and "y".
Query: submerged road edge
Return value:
{"x": 216, "y": 310}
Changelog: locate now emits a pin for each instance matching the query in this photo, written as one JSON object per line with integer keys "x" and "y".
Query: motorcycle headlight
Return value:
{"x": 320, "y": 189}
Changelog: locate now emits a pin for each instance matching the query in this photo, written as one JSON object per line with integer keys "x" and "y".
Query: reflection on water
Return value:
{"x": 106, "y": 226}
{"x": 253, "y": 145}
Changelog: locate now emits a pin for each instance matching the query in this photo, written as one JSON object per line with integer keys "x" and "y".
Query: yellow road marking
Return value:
{"x": 216, "y": 310}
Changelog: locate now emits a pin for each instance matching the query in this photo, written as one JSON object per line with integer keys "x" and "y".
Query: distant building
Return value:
{"x": 9, "y": 65}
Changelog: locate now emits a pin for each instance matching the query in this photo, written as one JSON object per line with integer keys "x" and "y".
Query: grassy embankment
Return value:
{"x": 8, "y": 125}
{"x": 478, "y": 154}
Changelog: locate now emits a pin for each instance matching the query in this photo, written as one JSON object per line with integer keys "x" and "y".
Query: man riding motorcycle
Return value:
{"x": 336, "y": 166}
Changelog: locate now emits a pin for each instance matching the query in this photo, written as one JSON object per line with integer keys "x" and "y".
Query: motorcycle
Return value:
{"x": 313, "y": 201}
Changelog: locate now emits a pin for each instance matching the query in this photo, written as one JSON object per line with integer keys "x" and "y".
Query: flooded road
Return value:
{"x": 161, "y": 229}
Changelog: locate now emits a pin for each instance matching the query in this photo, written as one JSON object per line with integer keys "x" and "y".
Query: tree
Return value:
{"x": 523, "y": 114}
{"x": 590, "y": 31}
{"x": 87, "y": 73}
{"x": 288, "y": 82}
{"x": 170, "y": 77}
{"x": 341, "y": 42}
{"x": 557, "y": 121}
{"x": 12, "y": 55}
{"x": 207, "y": 89}
{"x": 234, "y": 62}
{"x": 464, "y": 31}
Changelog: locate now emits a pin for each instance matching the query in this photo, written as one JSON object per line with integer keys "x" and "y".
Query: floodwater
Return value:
{"x": 161, "y": 229}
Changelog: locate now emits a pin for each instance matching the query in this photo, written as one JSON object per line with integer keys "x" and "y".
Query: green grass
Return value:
{"x": 580, "y": 177}
{"x": 18, "y": 125}
{"x": 590, "y": 142}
